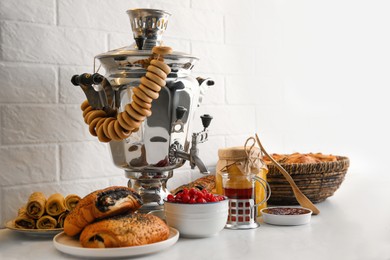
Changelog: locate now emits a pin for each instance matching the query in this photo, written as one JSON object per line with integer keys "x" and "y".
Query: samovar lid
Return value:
{"x": 131, "y": 51}
{"x": 148, "y": 26}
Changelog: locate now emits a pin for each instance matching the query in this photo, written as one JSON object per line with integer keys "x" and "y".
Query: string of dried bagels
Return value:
{"x": 119, "y": 127}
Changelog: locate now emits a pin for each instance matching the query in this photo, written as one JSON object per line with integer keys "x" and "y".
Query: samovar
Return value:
{"x": 163, "y": 142}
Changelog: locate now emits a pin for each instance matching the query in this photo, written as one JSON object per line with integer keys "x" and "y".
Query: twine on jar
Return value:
{"x": 252, "y": 160}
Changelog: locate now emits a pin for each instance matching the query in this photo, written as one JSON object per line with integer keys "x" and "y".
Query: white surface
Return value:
{"x": 353, "y": 224}
{"x": 71, "y": 245}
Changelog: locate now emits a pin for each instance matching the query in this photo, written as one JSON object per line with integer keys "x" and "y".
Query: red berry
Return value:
{"x": 220, "y": 198}
{"x": 179, "y": 198}
{"x": 170, "y": 198}
{"x": 194, "y": 195}
{"x": 201, "y": 200}
{"x": 185, "y": 198}
{"x": 192, "y": 191}
{"x": 214, "y": 199}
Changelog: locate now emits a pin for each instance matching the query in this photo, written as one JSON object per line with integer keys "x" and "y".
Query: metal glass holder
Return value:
{"x": 242, "y": 214}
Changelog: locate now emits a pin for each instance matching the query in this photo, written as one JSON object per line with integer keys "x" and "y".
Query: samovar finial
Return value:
{"x": 148, "y": 26}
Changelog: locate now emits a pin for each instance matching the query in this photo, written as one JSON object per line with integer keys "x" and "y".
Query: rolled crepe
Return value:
{"x": 46, "y": 222}
{"x": 71, "y": 201}
{"x": 36, "y": 205}
{"x": 23, "y": 220}
{"x": 55, "y": 205}
{"x": 61, "y": 219}
{"x": 22, "y": 210}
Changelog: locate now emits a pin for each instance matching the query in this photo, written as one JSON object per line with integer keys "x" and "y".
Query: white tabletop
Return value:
{"x": 353, "y": 224}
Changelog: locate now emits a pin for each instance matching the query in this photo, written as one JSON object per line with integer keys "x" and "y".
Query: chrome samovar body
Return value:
{"x": 165, "y": 140}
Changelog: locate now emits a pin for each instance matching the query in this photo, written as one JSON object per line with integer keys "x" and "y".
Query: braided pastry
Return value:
{"x": 108, "y": 128}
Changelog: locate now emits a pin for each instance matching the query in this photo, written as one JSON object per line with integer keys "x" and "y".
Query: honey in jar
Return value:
{"x": 229, "y": 159}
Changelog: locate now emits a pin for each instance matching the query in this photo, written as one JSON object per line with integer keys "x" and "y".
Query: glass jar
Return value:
{"x": 239, "y": 155}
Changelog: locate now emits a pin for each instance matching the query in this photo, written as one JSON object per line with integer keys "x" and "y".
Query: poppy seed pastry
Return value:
{"x": 133, "y": 229}
{"x": 101, "y": 204}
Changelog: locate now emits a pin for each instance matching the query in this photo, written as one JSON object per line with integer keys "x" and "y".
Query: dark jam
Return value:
{"x": 286, "y": 211}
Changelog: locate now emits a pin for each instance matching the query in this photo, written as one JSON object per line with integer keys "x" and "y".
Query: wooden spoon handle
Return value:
{"x": 301, "y": 198}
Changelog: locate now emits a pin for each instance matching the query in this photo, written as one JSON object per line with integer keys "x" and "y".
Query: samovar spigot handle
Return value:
{"x": 206, "y": 120}
{"x": 198, "y": 138}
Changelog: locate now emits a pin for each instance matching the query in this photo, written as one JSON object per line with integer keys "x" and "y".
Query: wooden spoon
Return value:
{"x": 301, "y": 198}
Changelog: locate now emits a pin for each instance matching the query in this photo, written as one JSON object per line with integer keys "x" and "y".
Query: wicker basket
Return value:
{"x": 317, "y": 181}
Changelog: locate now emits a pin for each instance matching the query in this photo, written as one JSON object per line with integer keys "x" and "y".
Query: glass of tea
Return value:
{"x": 240, "y": 189}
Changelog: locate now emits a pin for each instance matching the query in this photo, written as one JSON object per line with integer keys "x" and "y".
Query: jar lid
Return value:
{"x": 236, "y": 153}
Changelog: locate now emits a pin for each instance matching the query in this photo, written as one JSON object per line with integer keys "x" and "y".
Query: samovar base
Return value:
{"x": 152, "y": 186}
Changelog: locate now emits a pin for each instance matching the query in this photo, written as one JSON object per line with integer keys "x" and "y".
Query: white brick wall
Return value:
{"x": 32, "y": 164}
{"x": 282, "y": 68}
{"x": 36, "y": 83}
{"x": 29, "y": 11}
{"x": 34, "y": 124}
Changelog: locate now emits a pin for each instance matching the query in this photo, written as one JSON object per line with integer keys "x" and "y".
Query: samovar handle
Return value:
{"x": 97, "y": 90}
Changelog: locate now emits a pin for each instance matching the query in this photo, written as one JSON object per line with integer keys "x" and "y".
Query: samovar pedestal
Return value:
{"x": 152, "y": 186}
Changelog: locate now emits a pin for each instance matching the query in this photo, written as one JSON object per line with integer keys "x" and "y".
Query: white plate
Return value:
{"x": 72, "y": 246}
{"x": 33, "y": 232}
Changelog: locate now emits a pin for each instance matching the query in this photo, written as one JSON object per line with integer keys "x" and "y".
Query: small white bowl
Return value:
{"x": 284, "y": 216}
{"x": 197, "y": 220}
{"x": 171, "y": 215}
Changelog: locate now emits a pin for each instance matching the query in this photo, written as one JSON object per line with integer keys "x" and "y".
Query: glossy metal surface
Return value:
{"x": 152, "y": 147}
